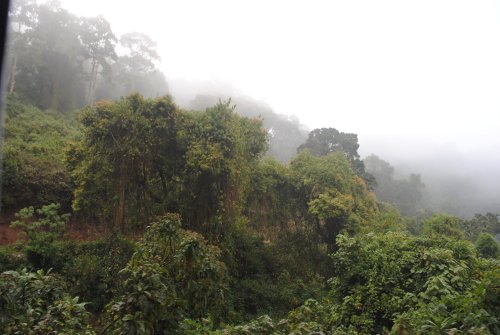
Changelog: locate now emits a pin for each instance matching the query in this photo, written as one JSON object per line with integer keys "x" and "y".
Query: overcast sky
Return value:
{"x": 408, "y": 70}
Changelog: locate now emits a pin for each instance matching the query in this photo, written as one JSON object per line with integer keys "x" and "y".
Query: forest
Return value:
{"x": 123, "y": 213}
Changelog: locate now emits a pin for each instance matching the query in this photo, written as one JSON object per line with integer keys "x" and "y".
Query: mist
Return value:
{"x": 456, "y": 181}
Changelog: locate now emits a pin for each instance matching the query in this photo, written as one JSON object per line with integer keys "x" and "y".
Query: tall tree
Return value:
{"x": 111, "y": 153}
{"x": 323, "y": 141}
{"x": 99, "y": 43}
{"x": 139, "y": 60}
{"x": 22, "y": 17}
{"x": 136, "y": 159}
{"x": 52, "y": 71}
{"x": 337, "y": 199}
{"x": 222, "y": 150}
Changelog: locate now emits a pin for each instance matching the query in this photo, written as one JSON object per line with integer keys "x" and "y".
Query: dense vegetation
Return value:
{"x": 306, "y": 243}
{"x": 199, "y": 232}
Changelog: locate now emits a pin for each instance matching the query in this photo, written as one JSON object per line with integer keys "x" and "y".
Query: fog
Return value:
{"x": 418, "y": 82}
{"x": 458, "y": 181}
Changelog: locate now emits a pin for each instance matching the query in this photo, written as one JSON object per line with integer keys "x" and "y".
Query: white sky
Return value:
{"x": 405, "y": 70}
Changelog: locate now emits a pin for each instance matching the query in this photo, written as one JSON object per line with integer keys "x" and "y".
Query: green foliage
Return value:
{"x": 487, "y": 246}
{"x": 336, "y": 198}
{"x": 46, "y": 251}
{"x": 443, "y": 225}
{"x": 273, "y": 199}
{"x": 261, "y": 326}
{"x": 399, "y": 284}
{"x": 413, "y": 225}
{"x": 302, "y": 253}
{"x": 270, "y": 278}
{"x": 285, "y": 133}
{"x": 137, "y": 158}
{"x": 387, "y": 219}
{"x": 324, "y": 141}
{"x": 280, "y": 230}
{"x": 381, "y": 277}
{"x": 92, "y": 270}
{"x": 115, "y": 162}
{"x": 222, "y": 150}
{"x": 44, "y": 228}
{"x": 12, "y": 257}
{"x": 47, "y": 219}
{"x": 474, "y": 311}
{"x": 173, "y": 275}
{"x": 33, "y": 171}
{"x": 305, "y": 320}
{"x": 38, "y": 303}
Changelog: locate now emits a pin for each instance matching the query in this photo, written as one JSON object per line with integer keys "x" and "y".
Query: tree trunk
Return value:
{"x": 94, "y": 82}
{"x": 55, "y": 98}
{"x": 12, "y": 76}
{"x": 93, "y": 79}
{"x": 119, "y": 219}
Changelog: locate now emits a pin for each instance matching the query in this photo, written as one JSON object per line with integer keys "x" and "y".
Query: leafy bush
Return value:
{"x": 33, "y": 170}
{"x": 474, "y": 311}
{"x": 308, "y": 319}
{"x": 44, "y": 228}
{"x": 45, "y": 218}
{"x": 46, "y": 251}
{"x": 12, "y": 258}
{"x": 487, "y": 246}
{"x": 380, "y": 277}
{"x": 271, "y": 278}
{"x": 93, "y": 270}
{"x": 261, "y": 326}
{"x": 173, "y": 275}
{"x": 399, "y": 284}
{"x": 37, "y": 303}
{"x": 444, "y": 225}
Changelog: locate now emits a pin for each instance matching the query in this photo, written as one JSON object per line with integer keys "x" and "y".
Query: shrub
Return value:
{"x": 93, "y": 270}
{"x": 37, "y": 303}
{"x": 12, "y": 258}
{"x": 487, "y": 246}
{"x": 44, "y": 228}
{"x": 381, "y": 279}
{"x": 173, "y": 275}
{"x": 46, "y": 251}
{"x": 45, "y": 218}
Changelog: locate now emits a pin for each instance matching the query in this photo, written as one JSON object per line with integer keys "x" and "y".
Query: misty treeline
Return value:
{"x": 136, "y": 216}
{"x": 61, "y": 61}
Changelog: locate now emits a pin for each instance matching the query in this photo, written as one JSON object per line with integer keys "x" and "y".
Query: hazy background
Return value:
{"x": 418, "y": 81}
